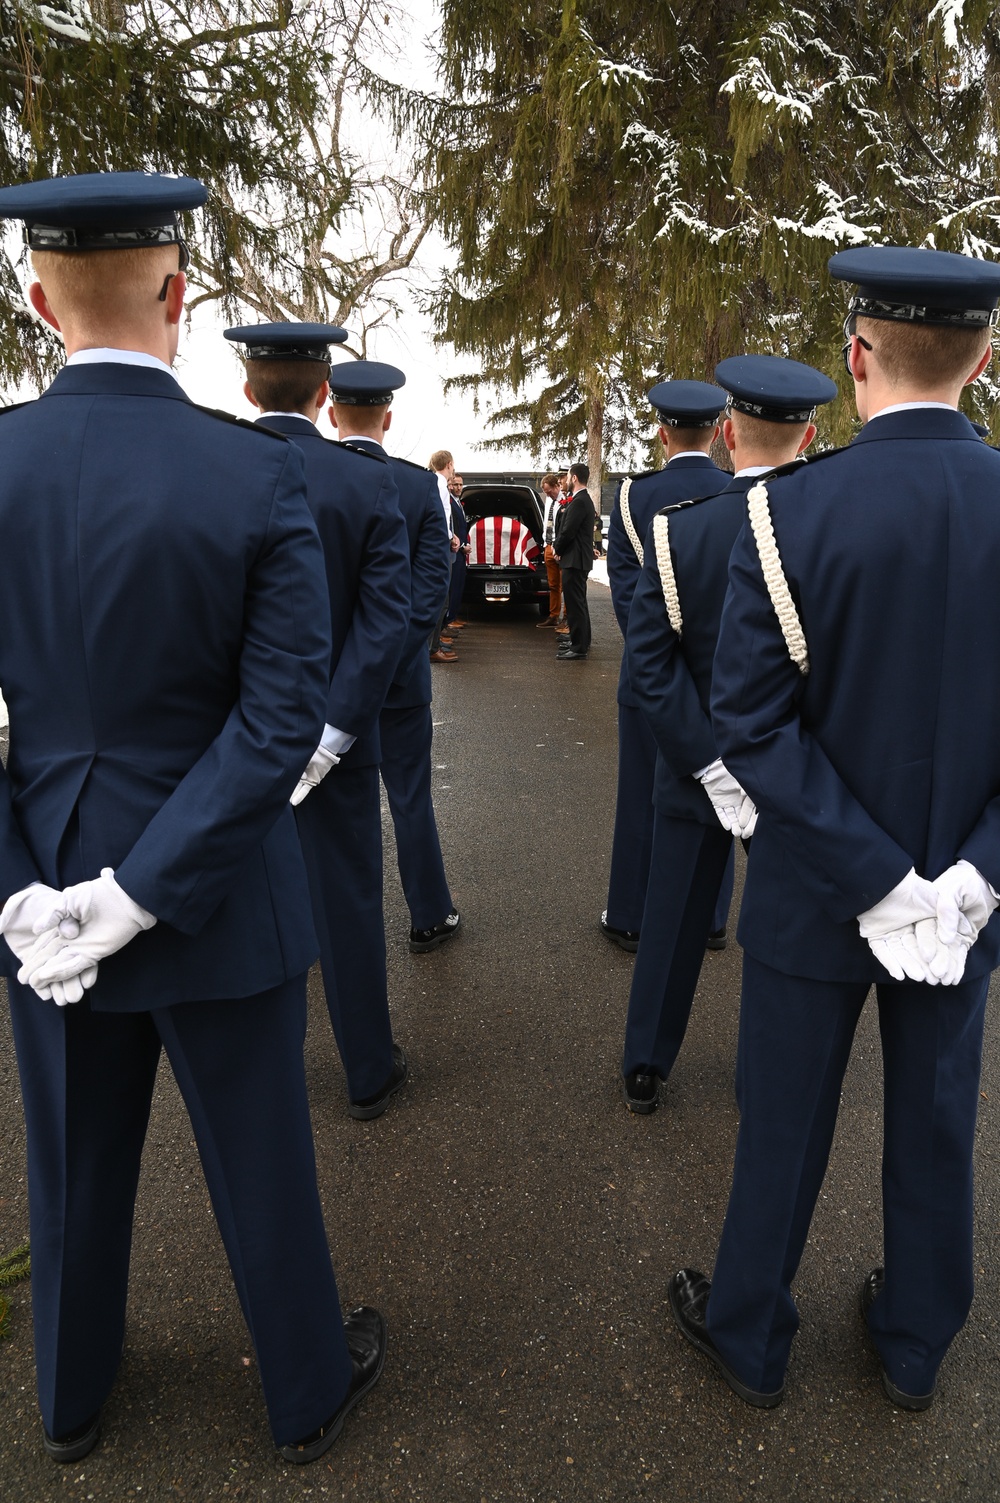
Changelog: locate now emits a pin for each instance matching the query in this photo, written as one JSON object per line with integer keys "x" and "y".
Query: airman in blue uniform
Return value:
{"x": 856, "y": 697}
{"x": 353, "y": 499}
{"x": 361, "y": 393}
{"x": 672, "y": 632}
{"x": 164, "y": 654}
{"x": 688, "y": 412}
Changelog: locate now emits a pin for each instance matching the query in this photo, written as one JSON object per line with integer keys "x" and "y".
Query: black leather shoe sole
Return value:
{"x": 916, "y": 1403}
{"x": 641, "y": 1092}
{"x": 699, "y": 1337}
{"x": 374, "y": 1106}
{"x": 625, "y": 939}
{"x": 424, "y": 940}
{"x": 717, "y": 940}
{"x": 313, "y": 1449}
{"x": 77, "y": 1444}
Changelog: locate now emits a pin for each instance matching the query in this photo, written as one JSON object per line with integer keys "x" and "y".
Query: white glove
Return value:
{"x": 963, "y": 895}
{"x": 108, "y": 920}
{"x": 36, "y": 925}
{"x": 31, "y": 918}
{"x": 734, "y": 807}
{"x": 902, "y": 934}
{"x": 320, "y": 764}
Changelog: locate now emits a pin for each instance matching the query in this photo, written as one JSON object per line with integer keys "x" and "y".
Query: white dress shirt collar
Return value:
{"x": 910, "y": 407}
{"x": 262, "y": 415}
{"x": 119, "y": 357}
{"x": 754, "y": 469}
{"x": 689, "y": 454}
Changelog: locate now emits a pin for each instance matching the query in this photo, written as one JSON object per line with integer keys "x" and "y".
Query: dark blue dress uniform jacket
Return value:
{"x": 887, "y": 755}
{"x": 354, "y": 501}
{"x": 671, "y": 678}
{"x": 679, "y": 480}
{"x": 167, "y": 750}
{"x": 430, "y": 574}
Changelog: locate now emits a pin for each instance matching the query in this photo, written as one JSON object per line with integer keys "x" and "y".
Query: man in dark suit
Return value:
{"x": 688, "y": 412}
{"x": 361, "y": 392}
{"x": 672, "y": 631}
{"x": 574, "y": 547}
{"x": 353, "y": 499}
{"x": 856, "y": 697}
{"x": 460, "y": 530}
{"x": 164, "y": 653}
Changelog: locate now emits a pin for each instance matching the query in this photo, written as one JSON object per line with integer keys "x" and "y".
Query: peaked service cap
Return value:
{"x": 775, "y": 389}
{"x": 687, "y": 404}
{"x": 287, "y": 341}
{"x": 365, "y": 383}
{"x": 911, "y": 284}
{"x": 102, "y": 210}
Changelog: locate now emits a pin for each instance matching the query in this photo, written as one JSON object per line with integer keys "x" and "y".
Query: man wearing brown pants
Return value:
{"x": 554, "y": 499}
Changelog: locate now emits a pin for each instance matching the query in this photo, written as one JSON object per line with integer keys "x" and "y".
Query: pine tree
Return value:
{"x": 633, "y": 194}
{"x": 249, "y": 96}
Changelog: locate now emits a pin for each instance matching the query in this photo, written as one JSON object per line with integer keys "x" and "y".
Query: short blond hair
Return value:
{"x": 440, "y": 460}
{"x": 104, "y": 286}
{"x": 776, "y": 441}
{"x": 923, "y": 355}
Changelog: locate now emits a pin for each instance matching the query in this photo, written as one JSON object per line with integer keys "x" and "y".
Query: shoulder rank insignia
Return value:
{"x": 358, "y": 449}
{"x": 683, "y": 505}
{"x": 230, "y": 417}
{"x": 794, "y": 465}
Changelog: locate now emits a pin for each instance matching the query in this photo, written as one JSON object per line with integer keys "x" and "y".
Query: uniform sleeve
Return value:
{"x": 756, "y": 694}
{"x": 623, "y": 566}
{"x": 430, "y": 575}
{"x": 190, "y": 853}
{"x": 17, "y": 867}
{"x": 660, "y": 678}
{"x": 364, "y": 670}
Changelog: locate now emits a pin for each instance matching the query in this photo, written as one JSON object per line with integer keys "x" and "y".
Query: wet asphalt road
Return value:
{"x": 515, "y": 1223}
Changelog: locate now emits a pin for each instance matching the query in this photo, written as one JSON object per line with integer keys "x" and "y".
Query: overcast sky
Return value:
{"x": 423, "y": 418}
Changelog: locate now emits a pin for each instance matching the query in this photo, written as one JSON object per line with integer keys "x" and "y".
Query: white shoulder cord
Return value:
{"x": 774, "y": 577}
{"x": 665, "y": 564}
{"x": 626, "y": 512}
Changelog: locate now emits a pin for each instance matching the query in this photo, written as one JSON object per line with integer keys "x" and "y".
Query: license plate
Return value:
{"x": 498, "y": 587}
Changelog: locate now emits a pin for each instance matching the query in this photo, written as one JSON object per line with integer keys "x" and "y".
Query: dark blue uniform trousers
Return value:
{"x": 340, "y": 826}
{"x": 457, "y": 587}
{"x": 796, "y": 1037}
{"x": 406, "y": 736}
{"x": 87, "y": 1079}
{"x": 687, "y": 867}
{"x": 720, "y": 918}
{"x": 633, "y": 837}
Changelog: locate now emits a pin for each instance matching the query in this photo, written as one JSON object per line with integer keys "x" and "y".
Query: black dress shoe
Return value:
{"x": 422, "y": 940}
{"x": 717, "y": 940}
{"x": 641, "y": 1089}
{"x": 75, "y": 1444}
{"x": 626, "y": 939}
{"x": 366, "y": 1341}
{"x": 916, "y": 1402}
{"x": 689, "y": 1291}
{"x": 570, "y": 656}
{"x": 374, "y": 1106}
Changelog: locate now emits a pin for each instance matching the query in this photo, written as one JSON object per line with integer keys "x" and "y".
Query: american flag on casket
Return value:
{"x": 502, "y": 540}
